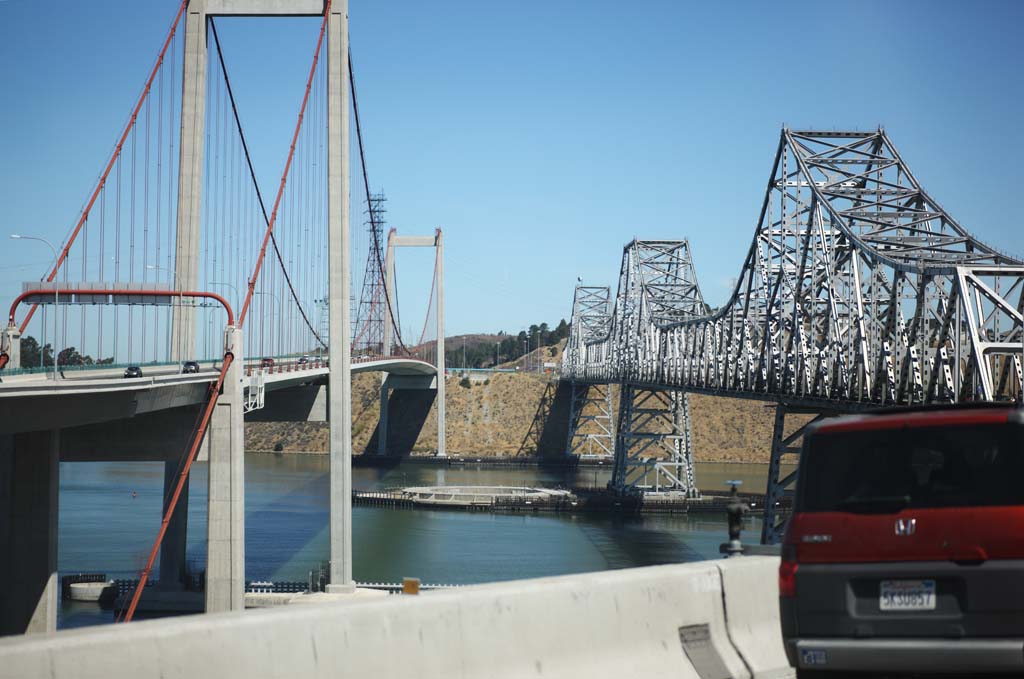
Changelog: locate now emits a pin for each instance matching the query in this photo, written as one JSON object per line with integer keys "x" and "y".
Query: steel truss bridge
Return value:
{"x": 859, "y": 291}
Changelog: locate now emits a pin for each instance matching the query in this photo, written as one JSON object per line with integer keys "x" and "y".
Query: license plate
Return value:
{"x": 907, "y": 595}
{"x": 813, "y": 657}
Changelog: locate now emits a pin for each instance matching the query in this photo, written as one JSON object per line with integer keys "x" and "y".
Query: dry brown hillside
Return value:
{"x": 500, "y": 418}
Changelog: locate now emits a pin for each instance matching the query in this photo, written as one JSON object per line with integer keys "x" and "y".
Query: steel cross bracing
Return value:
{"x": 653, "y": 434}
{"x": 591, "y": 422}
{"x": 858, "y": 290}
{"x": 591, "y": 316}
{"x": 653, "y": 450}
{"x": 369, "y": 325}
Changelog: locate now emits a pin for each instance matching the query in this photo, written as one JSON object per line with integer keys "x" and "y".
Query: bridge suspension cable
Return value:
{"x": 287, "y": 168}
{"x": 375, "y": 225}
{"x": 259, "y": 194}
{"x": 123, "y": 233}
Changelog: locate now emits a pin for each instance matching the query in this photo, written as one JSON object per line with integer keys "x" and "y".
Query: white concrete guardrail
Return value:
{"x": 708, "y": 620}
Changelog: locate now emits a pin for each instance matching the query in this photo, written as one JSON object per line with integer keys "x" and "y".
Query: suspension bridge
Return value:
{"x": 223, "y": 302}
{"x": 859, "y": 291}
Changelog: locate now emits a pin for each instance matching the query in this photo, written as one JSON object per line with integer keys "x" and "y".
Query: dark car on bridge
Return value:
{"x": 905, "y": 550}
{"x": 189, "y": 367}
{"x": 266, "y": 363}
{"x": 133, "y": 371}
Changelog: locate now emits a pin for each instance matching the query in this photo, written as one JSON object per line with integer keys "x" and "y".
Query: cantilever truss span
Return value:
{"x": 858, "y": 289}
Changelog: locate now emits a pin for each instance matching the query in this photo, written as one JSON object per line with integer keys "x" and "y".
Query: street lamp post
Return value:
{"x": 56, "y": 297}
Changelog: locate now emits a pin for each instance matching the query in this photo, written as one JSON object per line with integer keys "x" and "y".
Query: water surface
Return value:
{"x": 110, "y": 512}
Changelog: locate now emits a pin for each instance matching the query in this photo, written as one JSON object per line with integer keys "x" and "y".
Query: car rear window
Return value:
{"x": 888, "y": 470}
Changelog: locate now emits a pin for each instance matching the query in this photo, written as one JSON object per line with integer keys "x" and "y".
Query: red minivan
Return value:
{"x": 905, "y": 550}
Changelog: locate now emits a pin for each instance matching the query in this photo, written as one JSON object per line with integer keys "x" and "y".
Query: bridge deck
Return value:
{"x": 103, "y": 394}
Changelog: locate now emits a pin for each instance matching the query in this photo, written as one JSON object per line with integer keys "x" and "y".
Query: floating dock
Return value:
{"x": 528, "y": 499}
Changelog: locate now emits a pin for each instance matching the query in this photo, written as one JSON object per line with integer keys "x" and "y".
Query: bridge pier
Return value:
{"x": 773, "y": 525}
{"x": 591, "y": 423}
{"x": 393, "y": 383}
{"x": 172, "y": 550}
{"x": 382, "y": 421}
{"x": 650, "y": 419}
{"x": 225, "y": 539}
{"x": 29, "y": 490}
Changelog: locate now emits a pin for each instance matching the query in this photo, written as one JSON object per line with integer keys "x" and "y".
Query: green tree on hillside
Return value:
{"x": 30, "y": 353}
{"x": 70, "y": 356}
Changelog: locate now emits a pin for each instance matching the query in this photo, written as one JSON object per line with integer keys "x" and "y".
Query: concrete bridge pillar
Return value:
{"x": 225, "y": 541}
{"x": 10, "y": 344}
{"x": 406, "y": 413}
{"x": 172, "y": 551}
{"x": 382, "y": 423}
{"x": 29, "y": 488}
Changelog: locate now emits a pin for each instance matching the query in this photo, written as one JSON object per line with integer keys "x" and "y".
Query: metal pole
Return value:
{"x": 56, "y": 299}
{"x": 441, "y": 416}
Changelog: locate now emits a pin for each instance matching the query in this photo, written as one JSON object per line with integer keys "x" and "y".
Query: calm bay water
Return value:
{"x": 105, "y": 528}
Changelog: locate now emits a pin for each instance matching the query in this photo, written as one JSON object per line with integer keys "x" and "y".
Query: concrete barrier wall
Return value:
{"x": 672, "y": 621}
{"x": 751, "y": 589}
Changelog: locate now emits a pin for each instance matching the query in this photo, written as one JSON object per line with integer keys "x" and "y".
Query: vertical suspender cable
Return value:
{"x": 252, "y": 172}
{"x": 110, "y": 164}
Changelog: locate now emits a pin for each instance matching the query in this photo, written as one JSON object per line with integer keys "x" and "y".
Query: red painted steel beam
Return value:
{"x": 197, "y": 439}
{"x": 192, "y": 294}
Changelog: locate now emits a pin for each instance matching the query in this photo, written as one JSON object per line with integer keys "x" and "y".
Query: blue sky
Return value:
{"x": 541, "y": 136}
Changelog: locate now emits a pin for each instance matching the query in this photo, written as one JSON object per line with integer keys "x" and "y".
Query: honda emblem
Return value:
{"x": 906, "y": 526}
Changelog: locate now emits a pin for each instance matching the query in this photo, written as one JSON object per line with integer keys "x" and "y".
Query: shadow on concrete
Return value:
{"x": 408, "y": 410}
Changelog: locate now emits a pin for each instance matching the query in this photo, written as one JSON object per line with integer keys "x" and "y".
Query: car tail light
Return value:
{"x": 787, "y": 572}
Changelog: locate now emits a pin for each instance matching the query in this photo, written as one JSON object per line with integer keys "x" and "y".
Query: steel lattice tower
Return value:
{"x": 368, "y": 330}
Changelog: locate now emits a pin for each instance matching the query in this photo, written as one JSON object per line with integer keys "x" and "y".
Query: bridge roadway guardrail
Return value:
{"x": 696, "y": 620}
